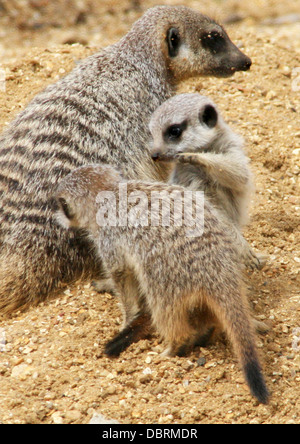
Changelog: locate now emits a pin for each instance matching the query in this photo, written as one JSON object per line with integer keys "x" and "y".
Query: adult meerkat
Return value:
{"x": 189, "y": 131}
{"x": 162, "y": 270}
{"x": 98, "y": 112}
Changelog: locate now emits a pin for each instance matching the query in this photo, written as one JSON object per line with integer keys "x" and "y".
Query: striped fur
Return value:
{"x": 98, "y": 112}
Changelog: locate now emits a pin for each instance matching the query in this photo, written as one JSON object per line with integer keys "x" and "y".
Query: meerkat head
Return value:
{"x": 197, "y": 45}
{"x": 192, "y": 44}
{"x": 184, "y": 123}
{"x": 76, "y": 194}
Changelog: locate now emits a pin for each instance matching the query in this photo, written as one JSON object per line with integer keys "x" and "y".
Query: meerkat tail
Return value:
{"x": 232, "y": 311}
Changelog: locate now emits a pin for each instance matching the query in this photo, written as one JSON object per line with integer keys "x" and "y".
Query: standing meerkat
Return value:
{"x": 97, "y": 113}
{"x": 189, "y": 132}
{"x": 161, "y": 269}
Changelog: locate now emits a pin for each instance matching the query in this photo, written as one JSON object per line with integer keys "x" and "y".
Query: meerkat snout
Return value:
{"x": 244, "y": 64}
{"x": 247, "y": 63}
{"x": 155, "y": 156}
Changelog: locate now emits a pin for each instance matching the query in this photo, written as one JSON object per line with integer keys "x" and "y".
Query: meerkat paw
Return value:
{"x": 118, "y": 344}
{"x": 139, "y": 328}
{"x": 251, "y": 261}
{"x": 180, "y": 350}
{"x": 263, "y": 259}
{"x": 104, "y": 286}
{"x": 254, "y": 261}
{"x": 167, "y": 352}
{"x": 172, "y": 350}
{"x": 192, "y": 158}
{"x": 260, "y": 326}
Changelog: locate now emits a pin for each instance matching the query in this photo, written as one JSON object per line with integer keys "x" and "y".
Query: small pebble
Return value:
{"x": 57, "y": 418}
{"x": 98, "y": 418}
{"x": 201, "y": 361}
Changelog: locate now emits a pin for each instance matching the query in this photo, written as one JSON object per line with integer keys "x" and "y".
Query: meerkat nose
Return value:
{"x": 247, "y": 64}
{"x": 155, "y": 156}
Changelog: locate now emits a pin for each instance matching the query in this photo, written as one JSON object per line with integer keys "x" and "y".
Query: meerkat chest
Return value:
{"x": 191, "y": 177}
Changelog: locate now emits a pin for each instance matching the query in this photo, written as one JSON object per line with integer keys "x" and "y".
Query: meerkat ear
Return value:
{"x": 64, "y": 215}
{"x": 209, "y": 116}
{"x": 173, "y": 41}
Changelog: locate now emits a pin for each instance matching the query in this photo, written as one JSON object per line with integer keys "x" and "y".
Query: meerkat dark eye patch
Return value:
{"x": 173, "y": 41}
{"x": 213, "y": 41}
{"x": 209, "y": 116}
{"x": 65, "y": 208}
{"x": 174, "y": 132}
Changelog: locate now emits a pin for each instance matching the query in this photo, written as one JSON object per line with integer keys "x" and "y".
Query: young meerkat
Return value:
{"x": 99, "y": 112}
{"x": 189, "y": 132}
{"x": 163, "y": 271}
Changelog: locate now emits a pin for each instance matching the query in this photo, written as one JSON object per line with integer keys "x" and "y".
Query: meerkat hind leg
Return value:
{"x": 176, "y": 329}
{"x": 137, "y": 322}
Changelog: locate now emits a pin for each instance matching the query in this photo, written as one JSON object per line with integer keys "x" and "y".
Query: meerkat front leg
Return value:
{"x": 251, "y": 259}
{"x": 230, "y": 171}
{"x": 224, "y": 169}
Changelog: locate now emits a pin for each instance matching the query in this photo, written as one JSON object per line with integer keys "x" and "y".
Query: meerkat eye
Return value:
{"x": 209, "y": 116}
{"x": 174, "y": 132}
{"x": 173, "y": 41}
{"x": 213, "y": 41}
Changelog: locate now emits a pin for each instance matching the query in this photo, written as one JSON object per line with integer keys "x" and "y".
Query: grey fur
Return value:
{"x": 98, "y": 112}
{"x": 186, "y": 284}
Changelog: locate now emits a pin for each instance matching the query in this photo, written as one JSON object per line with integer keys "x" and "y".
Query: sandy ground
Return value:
{"x": 52, "y": 369}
